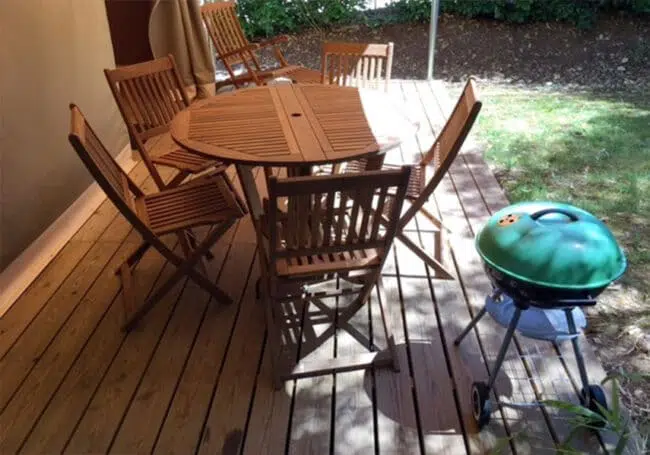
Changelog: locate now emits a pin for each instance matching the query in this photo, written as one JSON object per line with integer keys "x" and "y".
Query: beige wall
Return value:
{"x": 52, "y": 52}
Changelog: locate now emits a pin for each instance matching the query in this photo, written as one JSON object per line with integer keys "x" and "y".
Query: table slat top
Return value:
{"x": 292, "y": 125}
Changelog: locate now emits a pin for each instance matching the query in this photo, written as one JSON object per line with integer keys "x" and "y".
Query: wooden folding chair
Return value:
{"x": 205, "y": 201}
{"x": 363, "y": 65}
{"x": 357, "y": 64}
{"x": 331, "y": 228}
{"x": 234, "y": 49}
{"x": 149, "y": 95}
{"x": 428, "y": 173}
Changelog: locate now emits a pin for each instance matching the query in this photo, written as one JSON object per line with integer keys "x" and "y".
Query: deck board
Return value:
{"x": 237, "y": 376}
{"x": 103, "y": 415}
{"x": 195, "y": 376}
{"x": 59, "y": 272}
{"x": 397, "y": 425}
{"x": 139, "y": 428}
{"x": 19, "y": 361}
{"x": 467, "y": 362}
{"x": 353, "y": 407}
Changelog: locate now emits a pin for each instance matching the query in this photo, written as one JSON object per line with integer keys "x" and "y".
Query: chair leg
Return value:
{"x": 434, "y": 220}
{"x": 302, "y": 367}
{"x": 137, "y": 254}
{"x": 185, "y": 267}
{"x": 188, "y": 243}
{"x": 441, "y": 271}
{"x": 192, "y": 239}
{"x": 149, "y": 303}
{"x": 352, "y": 308}
{"x": 127, "y": 287}
{"x": 439, "y": 234}
{"x": 274, "y": 341}
{"x": 273, "y": 338}
{"x": 388, "y": 326}
{"x": 185, "y": 243}
{"x": 177, "y": 179}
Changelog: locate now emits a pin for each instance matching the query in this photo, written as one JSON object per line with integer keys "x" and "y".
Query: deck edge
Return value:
{"x": 23, "y": 270}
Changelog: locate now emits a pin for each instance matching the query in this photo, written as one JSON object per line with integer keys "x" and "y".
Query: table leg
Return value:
{"x": 375, "y": 162}
{"x": 251, "y": 194}
{"x": 298, "y": 171}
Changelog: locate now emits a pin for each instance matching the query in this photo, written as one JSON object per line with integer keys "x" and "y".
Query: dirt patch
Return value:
{"x": 619, "y": 331}
{"x": 613, "y": 55}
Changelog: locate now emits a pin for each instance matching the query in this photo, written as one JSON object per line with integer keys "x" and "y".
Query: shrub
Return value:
{"x": 581, "y": 12}
{"x": 271, "y": 17}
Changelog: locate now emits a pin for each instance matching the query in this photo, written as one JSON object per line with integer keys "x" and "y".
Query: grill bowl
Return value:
{"x": 536, "y": 295}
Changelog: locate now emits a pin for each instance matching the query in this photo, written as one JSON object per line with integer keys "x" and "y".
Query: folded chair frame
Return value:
{"x": 207, "y": 201}
{"x": 439, "y": 158}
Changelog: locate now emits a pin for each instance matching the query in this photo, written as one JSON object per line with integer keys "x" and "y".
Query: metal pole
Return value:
{"x": 433, "y": 29}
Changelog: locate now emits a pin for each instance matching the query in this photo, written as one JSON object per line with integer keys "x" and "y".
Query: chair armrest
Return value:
{"x": 273, "y": 41}
{"x": 241, "y": 51}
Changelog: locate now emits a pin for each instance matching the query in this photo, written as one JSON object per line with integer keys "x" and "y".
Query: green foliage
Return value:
{"x": 641, "y": 6}
{"x": 614, "y": 418}
{"x": 581, "y": 12}
{"x": 272, "y": 17}
{"x": 636, "y": 6}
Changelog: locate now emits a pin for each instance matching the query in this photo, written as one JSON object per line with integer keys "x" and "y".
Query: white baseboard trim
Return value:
{"x": 20, "y": 273}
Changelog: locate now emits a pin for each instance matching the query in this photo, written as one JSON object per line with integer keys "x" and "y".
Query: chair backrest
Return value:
{"x": 149, "y": 95}
{"x": 335, "y": 213}
{"x": 357, "y": 64}
{"x": 225, "y": 30}
{"x": 453, "y": 134}
{"x": 116, "y": 183}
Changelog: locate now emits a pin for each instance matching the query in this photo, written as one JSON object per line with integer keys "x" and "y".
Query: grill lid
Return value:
{"x": 551, "y": 244}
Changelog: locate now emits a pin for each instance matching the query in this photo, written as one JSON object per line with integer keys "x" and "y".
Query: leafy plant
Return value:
{"x": 636, "y": 6}
{"x": 272, "y": 17}
{"x": 581, "y": 12}
{"x": 613, "y": 418}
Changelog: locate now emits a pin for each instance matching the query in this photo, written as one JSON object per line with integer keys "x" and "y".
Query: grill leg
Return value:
{"x": 470, "y": 326}
{"x": 504, "y": 347}
{"x": 576, "y": 350}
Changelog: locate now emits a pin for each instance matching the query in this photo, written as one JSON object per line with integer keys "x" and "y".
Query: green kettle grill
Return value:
{"x": 543, "y": 258}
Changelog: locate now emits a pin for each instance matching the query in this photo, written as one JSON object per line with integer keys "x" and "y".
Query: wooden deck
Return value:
{"x": 195, "y": 376}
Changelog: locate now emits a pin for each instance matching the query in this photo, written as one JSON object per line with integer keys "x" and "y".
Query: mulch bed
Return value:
{"x": 612, "y": 56}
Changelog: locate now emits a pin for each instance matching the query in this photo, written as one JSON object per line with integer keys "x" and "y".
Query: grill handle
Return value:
{"x": 541, "y": 213}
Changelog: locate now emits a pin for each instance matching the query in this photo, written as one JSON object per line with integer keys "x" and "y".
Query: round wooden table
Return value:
{"x": 297, "y": 126}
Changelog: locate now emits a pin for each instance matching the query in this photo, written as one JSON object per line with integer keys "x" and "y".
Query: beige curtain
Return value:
{"x": 176, "y": 28}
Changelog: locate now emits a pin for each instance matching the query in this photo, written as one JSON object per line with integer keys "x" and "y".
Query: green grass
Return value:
{"x": 590, "y": 151}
